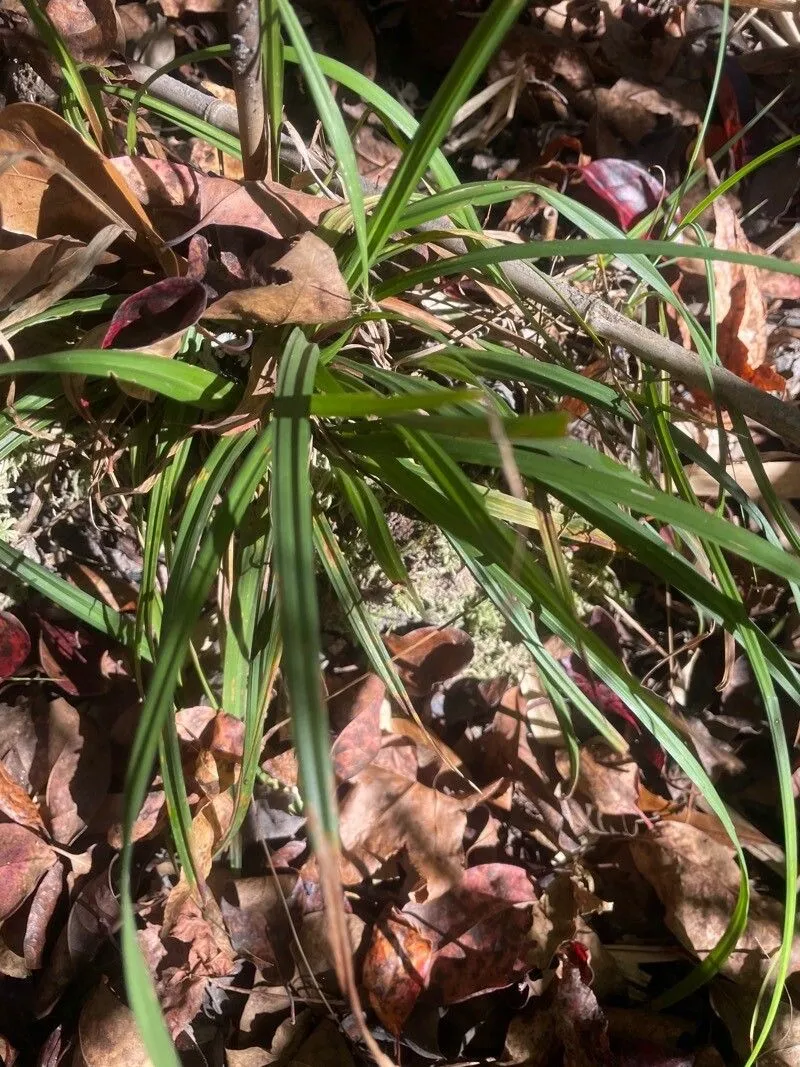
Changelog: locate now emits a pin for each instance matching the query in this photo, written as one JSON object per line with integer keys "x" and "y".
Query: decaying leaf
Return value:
{"x": 385, "y": 812}
{"x": 15, "y": 644}
{"x": 396, "y": 970}
{"x": 608, "y": 779}
{"x": 15, "y": 803}
{"x": 303, "y": 285}
{"x": 24, "y": 860}
{"x": 108, "y": 1035}
{"x": 629, "y": 189}
{"x": 697, "y": 879}
{"x": 428, "y": 655}
{"x": 38, "y": 199}
{"x": 183, "y": 200}
{"x": 91, "y": 28}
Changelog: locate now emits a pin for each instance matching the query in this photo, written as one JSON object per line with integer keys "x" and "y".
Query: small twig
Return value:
{"x": 730, "y": 391}
{"x": 244, "y": 28}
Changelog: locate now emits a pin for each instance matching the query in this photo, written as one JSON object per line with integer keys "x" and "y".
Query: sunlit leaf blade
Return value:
{"x": 168, "y": 377}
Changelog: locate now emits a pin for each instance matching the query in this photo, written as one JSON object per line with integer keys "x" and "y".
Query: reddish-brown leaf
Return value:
{"x": 358, "y": 744}
{"x": 24, "y": 859}
{"x": 255, "y": 913}
{"x": 481, "y": 931}
{"x": 80, "y": 774}
{"x": 429, "y": 655}
{"x": 628, "y": 189}
{"x": 156, "y": 316}
{"x": 16, "y": 804}
{"x": 107, "y": 1033}
{"x": 70, "y": 656}
{"x": 202, "y": 200}
{"x": 15, "y": 644}
{"x": 91, "y": 28}
{"x": 40, "y": 913}
{"x": 396, "y": 969}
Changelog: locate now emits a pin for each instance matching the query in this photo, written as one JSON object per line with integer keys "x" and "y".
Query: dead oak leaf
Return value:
{"x": 108, "y": 1035}
{"x": 308, "y": 289}
{"x": 91, "y": 29}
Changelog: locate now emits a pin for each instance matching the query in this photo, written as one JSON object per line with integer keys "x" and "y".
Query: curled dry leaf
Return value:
{"x": 15, "y": 643}
{"x": 629, "y": 190}
{"x": 91, "y": 28}
{"x": 308, "y": 288}
{"x": 155, "y": 318}
{"x": 697, "y": 879}
{"x": 41, "y": 203}
{"x": 24, "y": 859}
{"x": 429, "y": 655}
{"x": 183, "y": 200}
{"x": 108, "y": 1035}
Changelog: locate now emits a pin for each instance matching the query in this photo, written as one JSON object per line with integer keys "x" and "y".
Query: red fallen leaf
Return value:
{"x": 15, "y": 644}
{"x": 481, "y": 931}
{"x": 24, "y": 859}
{"x": 72, "y": 657}
{"x": 16, "y": 804}
{"x": 625, "y": 186}
{"x": 396, "y": 969}
{"x": 429, "y": 655}
{"x": 156, "y": 314}
{"x": 227, "y": 737}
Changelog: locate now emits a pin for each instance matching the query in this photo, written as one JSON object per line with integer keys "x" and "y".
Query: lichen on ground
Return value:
{"x": 448, "y": 595}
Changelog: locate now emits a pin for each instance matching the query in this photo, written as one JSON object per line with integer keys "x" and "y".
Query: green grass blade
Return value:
{"x": 294, "y": 570}
{"x": 368, "y": 513}
{"x": 168, "y": 377}
{"x": 438, "y": 118}
{"x": 331, "y": 118}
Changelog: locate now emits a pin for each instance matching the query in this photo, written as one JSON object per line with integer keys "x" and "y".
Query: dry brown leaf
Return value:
{"x": 15, "y": 803}
{"x": 108, "y": 1035}
{"x": 385, "y": 812}
{"x": 80, "y": 774}
{"x": 741, "y": 310}
{"x": 73, "y": 268}
{"x": 308, "y": 289}
{"x": 633, "y": 108}
{"x": 91, "y": 29}
{"x": 173, "y": 9}
{"x": 608, "y": 779}
{"x": 40, "y": 913}
{"x": 38, "y": 202}
{"x": 428, "y": 655}
{"x": 255, "y": 914}
{"x": 697, "y": 879}
{"x": 24, "y": 859}
{"x": 184, "y": 200}
{"x": 377, "y": 156}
